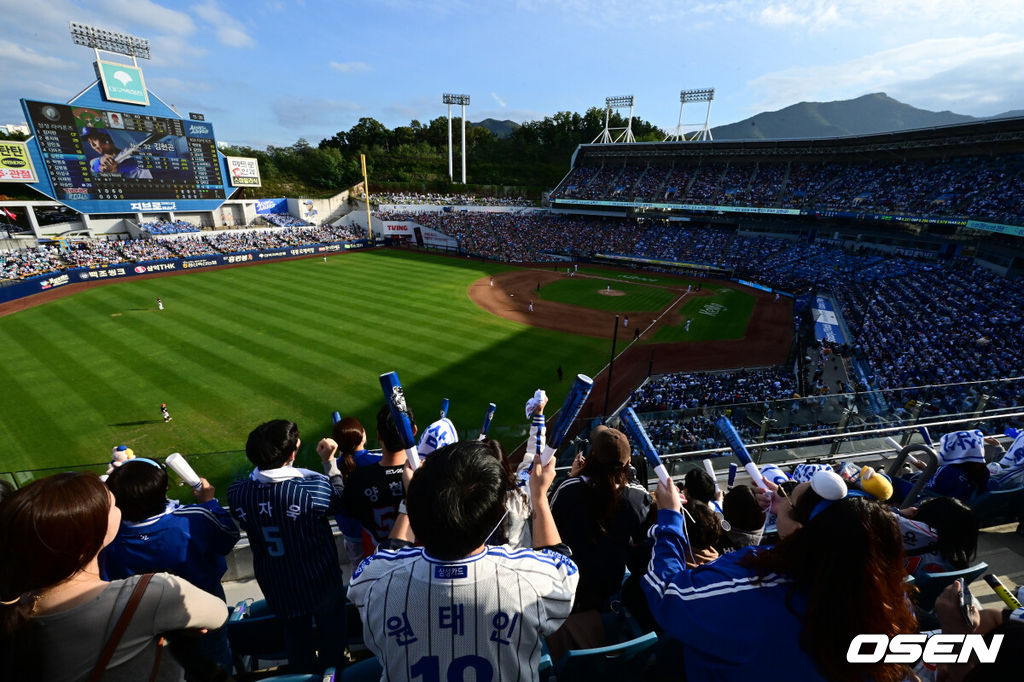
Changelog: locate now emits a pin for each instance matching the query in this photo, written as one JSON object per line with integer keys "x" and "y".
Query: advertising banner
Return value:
{"x": 826, "y": 323}
{"x": 243, "y": 172}
{"x": 265, "y": 206}
{"x": 15, "y": 162}
{"x": 123, "y": 83}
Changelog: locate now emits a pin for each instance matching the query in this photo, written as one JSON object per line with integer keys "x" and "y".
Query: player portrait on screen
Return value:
{"x": 111, "y": 159}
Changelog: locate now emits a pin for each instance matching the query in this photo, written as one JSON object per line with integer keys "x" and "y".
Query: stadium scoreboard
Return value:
{"x": 93, "y": 154}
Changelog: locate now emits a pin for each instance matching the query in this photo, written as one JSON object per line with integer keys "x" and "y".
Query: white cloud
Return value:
{"x": 350, "y": 67}
{"x": 26, "y": 56}
{"x": 970, "y": 58}
{"x": 149, "y": 14}
{"x": 229, "y": 30}
{"x": 500, "y": 101}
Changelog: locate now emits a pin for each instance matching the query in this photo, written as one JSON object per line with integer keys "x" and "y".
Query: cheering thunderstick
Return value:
{"x": 491, "y": 407}
{"x": 578, "y": 395}
{"x": 635, "y": 430}
{"x": 444, "y": 408}
{"x": 711, "y": 472}
{"x": 395, "y": 398}
{"x": 184, "y": 470}
{"x": 335, "y": 417}
{"x": 732, "y": 474}
{"x": 732, "y": 437}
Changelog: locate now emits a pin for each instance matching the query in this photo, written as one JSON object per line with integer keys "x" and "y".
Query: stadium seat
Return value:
{"x": 931, "y": 585}
{"x": 999, "y": 506}
{"x": 621, "y": 661}
{"x": 366, "y": 670}
{"x": 328, "y": 676}
{"x": 256, "y": 634}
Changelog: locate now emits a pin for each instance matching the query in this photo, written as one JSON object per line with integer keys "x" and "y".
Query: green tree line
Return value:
{"x": 532, "y": 157}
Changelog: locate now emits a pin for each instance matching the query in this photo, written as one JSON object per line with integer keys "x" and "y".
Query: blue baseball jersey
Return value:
{"x": 190, "y": 542}
{"x": 294, "y": 555}
{"x": 436, "y": 620}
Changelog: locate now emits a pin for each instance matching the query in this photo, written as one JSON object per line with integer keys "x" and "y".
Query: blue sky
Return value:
{"x": 271, "y": 71}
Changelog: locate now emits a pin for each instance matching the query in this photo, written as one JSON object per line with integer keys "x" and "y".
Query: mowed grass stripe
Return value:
{"x": 295, "y": 340}
{"x": 177, "y": 369}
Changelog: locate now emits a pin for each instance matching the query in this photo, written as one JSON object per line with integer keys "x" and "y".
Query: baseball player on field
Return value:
{"x": 457, "y": 603}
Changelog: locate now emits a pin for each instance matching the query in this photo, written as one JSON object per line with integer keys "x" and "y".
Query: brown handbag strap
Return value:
{"x": 122, "y": 625}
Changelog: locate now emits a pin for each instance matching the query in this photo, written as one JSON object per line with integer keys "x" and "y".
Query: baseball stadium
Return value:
{"x": 766, "y": 364}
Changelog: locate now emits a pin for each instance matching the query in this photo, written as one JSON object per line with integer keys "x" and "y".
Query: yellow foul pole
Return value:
{"x": 366, "y": 191}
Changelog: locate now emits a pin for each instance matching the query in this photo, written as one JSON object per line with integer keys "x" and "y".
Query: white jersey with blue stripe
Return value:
{"x": 428, "y": 619}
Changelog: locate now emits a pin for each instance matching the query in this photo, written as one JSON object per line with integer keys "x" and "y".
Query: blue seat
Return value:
{"x": 931, "y": 585}
{"x": 367, "y": 670}
{"x": 328, "y": 676}
{"x": 621, "y": 661}
{"x": 256, "y": 634}
{"x": 999, "y": 506}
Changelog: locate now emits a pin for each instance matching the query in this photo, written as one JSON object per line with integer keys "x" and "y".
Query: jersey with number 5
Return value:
{"x": 480, "y": 618}
{"x": 293, "y": 550}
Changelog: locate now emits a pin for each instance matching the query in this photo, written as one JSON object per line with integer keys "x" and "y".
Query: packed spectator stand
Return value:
{"x": 981, "y": 187}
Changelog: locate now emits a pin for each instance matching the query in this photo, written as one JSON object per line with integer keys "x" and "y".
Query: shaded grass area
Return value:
{"x": 236, "y": 347}
{"x": 723, "y": 316}
{"x": 586, "y": 292}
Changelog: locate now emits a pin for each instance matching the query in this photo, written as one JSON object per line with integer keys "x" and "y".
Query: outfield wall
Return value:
{"x": 51, "y": 281}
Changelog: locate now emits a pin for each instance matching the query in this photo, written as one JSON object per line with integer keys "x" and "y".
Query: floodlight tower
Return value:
{"x": 699, "y": 95}
{"x": 627, "y": 133}
{"x": 464, "y": 101}
{"x": 109, "y": 41}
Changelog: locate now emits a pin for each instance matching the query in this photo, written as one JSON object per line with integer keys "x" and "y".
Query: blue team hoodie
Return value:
{"x": 188, "y": 541}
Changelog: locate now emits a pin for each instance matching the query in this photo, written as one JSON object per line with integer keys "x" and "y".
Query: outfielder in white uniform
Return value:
{"x": 457, "y": 604}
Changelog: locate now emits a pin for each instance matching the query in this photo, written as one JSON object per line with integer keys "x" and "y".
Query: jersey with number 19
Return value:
{"x": 294, "y": 555}
{"x": 432, "y": 620}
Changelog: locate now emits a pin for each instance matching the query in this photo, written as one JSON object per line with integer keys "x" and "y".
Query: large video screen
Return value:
{"x": 94, "y": 154}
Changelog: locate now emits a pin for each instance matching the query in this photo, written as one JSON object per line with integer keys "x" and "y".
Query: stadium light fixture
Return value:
{"x": 700, "y": 95}
{"x": 109, "y": 41}
{"x": 463, "y": 101}
{"x": 703, "y": 134}
{"x": 619, "y": 102}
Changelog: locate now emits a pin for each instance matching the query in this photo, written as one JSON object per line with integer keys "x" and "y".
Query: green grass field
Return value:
{"x": 236, "y": 347}
{"x": 585, "y": 291}
{"x": 723, "y": 316}
{"x": 640, "y": 277}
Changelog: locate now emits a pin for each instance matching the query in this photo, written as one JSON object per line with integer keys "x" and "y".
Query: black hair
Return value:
{"x": 699, "y": 485}
{"x": 96, "y": 133}
{"x": 456, "y": 498}
{"x": 140, "y": 489}
{"x": 387, "y": 431}
{"x": 271, "y": 444}
{"x": 741, "y": 509}
{"x": 704, "y": 528}
{"x": 956, "y": 525}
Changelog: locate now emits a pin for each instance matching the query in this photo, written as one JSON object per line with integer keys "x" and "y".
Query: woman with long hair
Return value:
{"x": 788, "y": 611}
{"x": 57, "y": 615}
{"x": 514, "y": 530}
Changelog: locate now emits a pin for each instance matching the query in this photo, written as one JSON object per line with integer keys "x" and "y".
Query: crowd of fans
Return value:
{"x": 971, "y": 187}
{"x": 464, "y": 552}
{"x": 285, "y": 220}
{"x": 438, "y": 199}
{"x": 44, "y": 259}
{"x": 169, "y": 227}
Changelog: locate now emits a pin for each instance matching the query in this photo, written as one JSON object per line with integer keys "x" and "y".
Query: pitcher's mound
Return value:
{"x": 611, "y": 292}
